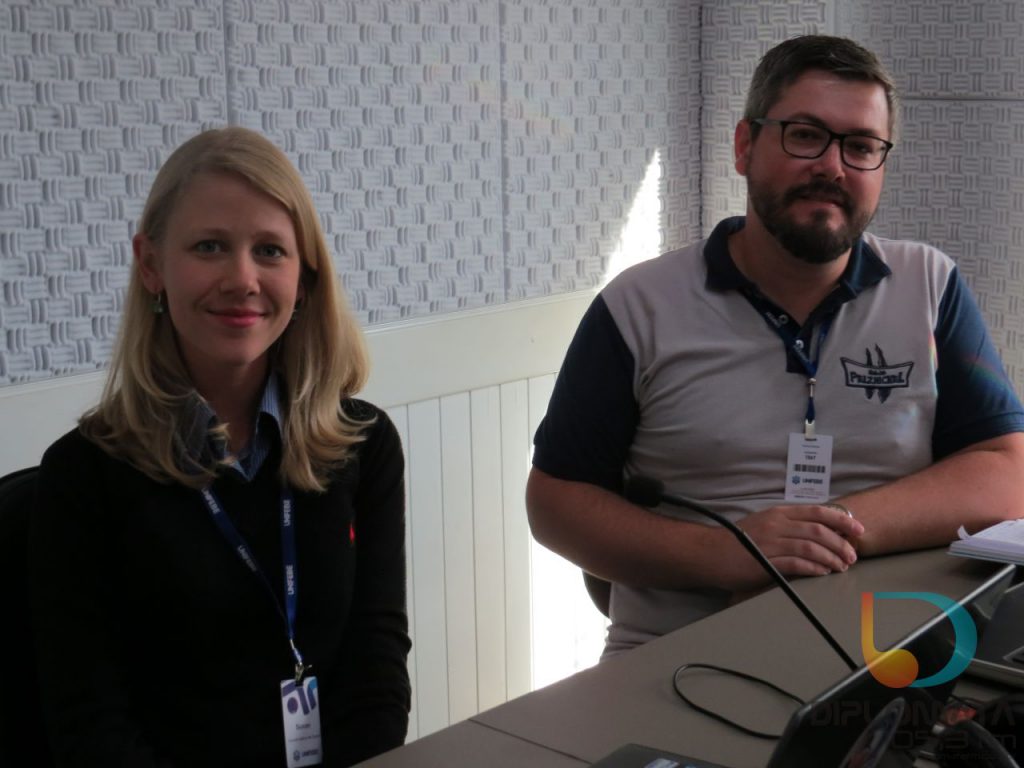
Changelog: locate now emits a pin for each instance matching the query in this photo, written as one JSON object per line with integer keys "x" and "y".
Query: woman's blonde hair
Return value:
{"x": 320, "y": 358}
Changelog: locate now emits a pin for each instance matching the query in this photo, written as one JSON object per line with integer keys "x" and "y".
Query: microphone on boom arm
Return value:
{"x": 648, "y": 492}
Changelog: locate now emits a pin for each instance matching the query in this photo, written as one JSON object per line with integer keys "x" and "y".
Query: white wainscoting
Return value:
{"x": 492, "y": 614}
{"x": 503, "y": 614}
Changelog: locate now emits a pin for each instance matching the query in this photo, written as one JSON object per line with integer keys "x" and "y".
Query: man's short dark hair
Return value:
{"x": 786, "y": 62}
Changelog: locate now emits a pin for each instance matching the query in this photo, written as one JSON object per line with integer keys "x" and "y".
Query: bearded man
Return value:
{"x": 834, "y": 393}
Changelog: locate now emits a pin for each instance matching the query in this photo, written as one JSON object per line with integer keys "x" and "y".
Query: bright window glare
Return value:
{"x": 640, "y": 238}
{"x": 568, "y": 631}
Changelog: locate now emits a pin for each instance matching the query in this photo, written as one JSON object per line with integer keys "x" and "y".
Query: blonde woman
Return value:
{"x": 218, "y": 549}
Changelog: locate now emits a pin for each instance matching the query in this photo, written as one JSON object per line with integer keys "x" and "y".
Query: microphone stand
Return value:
{"x": 638, "y": 492}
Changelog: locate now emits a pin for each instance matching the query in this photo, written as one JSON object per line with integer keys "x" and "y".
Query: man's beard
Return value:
{"x": 815, "y": 243}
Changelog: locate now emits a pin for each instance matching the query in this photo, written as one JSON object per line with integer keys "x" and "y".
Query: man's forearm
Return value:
{"x": 976, "y": 487}
{"x": 613, "y": 539}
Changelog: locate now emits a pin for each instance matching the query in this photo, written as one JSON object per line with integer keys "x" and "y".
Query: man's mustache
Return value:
{"x": 819, "y": 189}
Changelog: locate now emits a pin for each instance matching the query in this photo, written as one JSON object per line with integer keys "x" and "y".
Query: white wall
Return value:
{"x": 461, "y": 153}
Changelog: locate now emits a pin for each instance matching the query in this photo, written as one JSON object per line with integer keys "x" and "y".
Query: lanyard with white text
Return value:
{"x": 796, "y": 346}
{"x": 288, "y": 559}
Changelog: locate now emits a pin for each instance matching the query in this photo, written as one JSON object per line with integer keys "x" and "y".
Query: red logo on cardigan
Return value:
{"x": 351, "y": 532}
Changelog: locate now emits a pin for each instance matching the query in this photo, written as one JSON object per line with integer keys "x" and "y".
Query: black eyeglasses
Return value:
{"x": 809, "y": 141}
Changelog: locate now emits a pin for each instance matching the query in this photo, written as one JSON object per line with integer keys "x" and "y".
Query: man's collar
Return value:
{"x": 863, "y": 270}
{"x": 723, "y": 274}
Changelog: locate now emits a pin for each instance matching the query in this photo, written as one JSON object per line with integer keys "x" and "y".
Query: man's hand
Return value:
{"x": 798, "y": 539}
{"x": 610, "y": 537}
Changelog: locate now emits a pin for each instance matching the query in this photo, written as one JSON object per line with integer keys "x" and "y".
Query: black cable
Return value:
{"x": 722, "y": 718}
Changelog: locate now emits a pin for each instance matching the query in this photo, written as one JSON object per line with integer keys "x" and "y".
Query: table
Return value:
{"x": 629, "y": 698}
{"x": 472, "y": 744}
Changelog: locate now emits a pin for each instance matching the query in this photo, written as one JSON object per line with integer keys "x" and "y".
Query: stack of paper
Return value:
{"x": 1003, "y": 542}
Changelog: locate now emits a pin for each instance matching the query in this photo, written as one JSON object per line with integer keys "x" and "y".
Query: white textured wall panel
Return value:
{"x": 461, "y": 153}
{"x": 391, "y": 112}
{"x": 681, "y": 159}
{"x": 956, "y": 178}
{"x": 92, "y": 96}
{"x": 735, "y": 35}
{"x": 944, "y": 48}
{"x": 586, "y": 109}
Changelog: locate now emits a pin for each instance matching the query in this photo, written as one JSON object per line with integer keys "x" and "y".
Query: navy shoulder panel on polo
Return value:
{"x": 976, "y": 401}
{"x": 592, "y": 416}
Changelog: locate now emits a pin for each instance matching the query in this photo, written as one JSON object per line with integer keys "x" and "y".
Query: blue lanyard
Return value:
{"x": 796, "y": 346}
{"x": 288, "y": 559}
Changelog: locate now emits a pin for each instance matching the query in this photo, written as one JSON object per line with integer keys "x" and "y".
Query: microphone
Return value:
{"x": 648, "y": 492}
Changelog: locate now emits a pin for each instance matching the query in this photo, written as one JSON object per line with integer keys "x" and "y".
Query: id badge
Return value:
{"x": 809, "y": 468}
{"x": 300, "y": 707}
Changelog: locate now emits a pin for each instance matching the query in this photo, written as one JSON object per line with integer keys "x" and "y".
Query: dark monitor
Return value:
{"x": 861, "y": 723}
{"x": 1000, "y": 655}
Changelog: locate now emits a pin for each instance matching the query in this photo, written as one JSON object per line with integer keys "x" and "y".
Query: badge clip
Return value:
{"x": 301, "y": 668}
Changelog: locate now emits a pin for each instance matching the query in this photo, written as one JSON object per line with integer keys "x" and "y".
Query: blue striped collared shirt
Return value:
{"x": 204, "y": 448}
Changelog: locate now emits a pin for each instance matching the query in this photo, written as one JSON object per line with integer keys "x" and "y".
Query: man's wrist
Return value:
{"x": 855, "y": 541}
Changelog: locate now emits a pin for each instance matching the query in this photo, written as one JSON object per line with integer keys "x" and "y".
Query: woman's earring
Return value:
{"x": 158, "y": 304}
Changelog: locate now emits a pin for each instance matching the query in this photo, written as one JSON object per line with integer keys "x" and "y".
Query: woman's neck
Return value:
{"x": 234, "y": 396}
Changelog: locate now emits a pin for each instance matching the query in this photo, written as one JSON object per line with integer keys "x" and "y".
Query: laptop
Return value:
{"x": 637, "y": 756}
{"x": 859, "y": 722}
{"x": 1000, "y": 655}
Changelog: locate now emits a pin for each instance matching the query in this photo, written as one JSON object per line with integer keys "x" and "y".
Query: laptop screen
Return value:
{"x": 861, "y": 722}
{"x": 1000, "y": 655}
